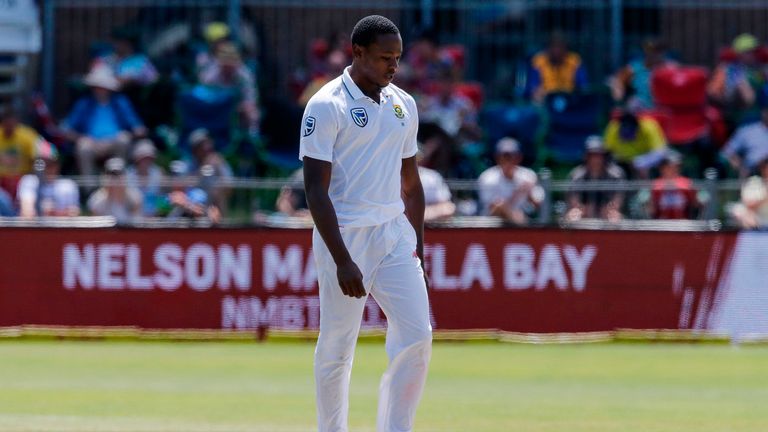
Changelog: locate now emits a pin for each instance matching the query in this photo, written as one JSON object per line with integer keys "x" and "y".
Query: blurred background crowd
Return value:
{"x": 172, "y": 126}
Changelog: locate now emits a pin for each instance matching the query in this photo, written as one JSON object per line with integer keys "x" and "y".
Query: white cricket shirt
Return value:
{"x": 365, "y": 142}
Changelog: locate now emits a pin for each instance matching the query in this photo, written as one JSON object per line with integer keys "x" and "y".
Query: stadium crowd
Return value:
{"x": 162, "y": 139}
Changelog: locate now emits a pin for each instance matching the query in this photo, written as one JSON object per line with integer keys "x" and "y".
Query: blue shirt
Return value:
{"x": 750, "y": 142}
{"x": 91, "y": 118}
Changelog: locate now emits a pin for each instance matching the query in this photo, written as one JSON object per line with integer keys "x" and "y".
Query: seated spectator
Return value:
{"x": 596, "y": 167}
{"x": 131, "y": 67}
{"x": 752, "y": 212}
{"x": 6, "y": 204}
{"x": 186, "y": 200}
{"x": 634, "y": 79}
{"x": 45, "y": 193}
{"x": 116, "y": 198}
{"x": 735, "y": 85}
{"x": 748, "y": 146}
{"x": 229, "y": 72}
{"x": 146, "y": 176}
{"x": 509, "y": 190}
{"x": 292, "y": 201}
{"x": 336, "y": 62}
{"x": 204, "y": 155}
{"x": 437, "y": 196}
{"x": 17, "y": 149}
{"x": 636, "y": 142}
{"x": 673, "y": 196}
{"x": 555, "y": 70}
{"x": 103, "y": 123}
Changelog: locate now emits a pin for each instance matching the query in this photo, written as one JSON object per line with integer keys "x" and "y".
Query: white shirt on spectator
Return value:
{"x": 435, "y": 189}
{"x": 61, "y": 194}
{"x": 451, "y": 116}
{"x": 494, "y": 186}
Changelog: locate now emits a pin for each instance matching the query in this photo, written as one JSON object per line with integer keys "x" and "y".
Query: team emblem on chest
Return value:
{"x": 360, "y": 116}
{"x": 399, "y": 111}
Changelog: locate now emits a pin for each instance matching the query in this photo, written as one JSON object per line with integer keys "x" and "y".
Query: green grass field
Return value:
{"x": 190, "y": 387}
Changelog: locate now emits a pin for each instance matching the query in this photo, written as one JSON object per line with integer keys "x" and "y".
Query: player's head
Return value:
{"x": 377, "y": 47}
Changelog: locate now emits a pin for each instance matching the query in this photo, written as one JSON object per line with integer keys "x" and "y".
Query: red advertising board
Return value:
{"x": 527, "y": 280}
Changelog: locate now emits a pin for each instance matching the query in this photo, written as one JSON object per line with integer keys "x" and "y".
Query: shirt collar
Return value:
{"x": 354, "y": 91}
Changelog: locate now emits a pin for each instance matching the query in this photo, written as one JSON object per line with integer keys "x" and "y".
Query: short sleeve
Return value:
{"x": 411, "y": 146}
{"x": 27, "y": 188}
{"x": 319, "y": 128}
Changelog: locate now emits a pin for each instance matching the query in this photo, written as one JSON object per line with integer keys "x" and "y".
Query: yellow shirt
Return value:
{"x": 649, "y": 137}
{"x": 17, "y": 151}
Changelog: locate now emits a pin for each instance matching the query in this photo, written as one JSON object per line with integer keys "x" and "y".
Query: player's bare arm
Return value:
{"x": 317, "y": 179}
{"x": 413, "y": 198}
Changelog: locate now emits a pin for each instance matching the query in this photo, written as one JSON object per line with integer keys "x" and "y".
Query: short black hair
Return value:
{"x": 367, "y": 29}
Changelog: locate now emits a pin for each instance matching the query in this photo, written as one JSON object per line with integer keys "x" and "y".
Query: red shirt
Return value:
{"x": 673, "y": 199}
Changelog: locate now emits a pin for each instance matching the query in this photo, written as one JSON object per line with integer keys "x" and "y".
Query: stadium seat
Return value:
{"x": 210, "y": 108}
{"x": 524, "y": 123}
{"x": 680, "y": 95}
{"x": 571, "y": 119}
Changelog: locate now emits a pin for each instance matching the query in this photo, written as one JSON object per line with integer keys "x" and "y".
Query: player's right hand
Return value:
{"x": 350, "y": 279}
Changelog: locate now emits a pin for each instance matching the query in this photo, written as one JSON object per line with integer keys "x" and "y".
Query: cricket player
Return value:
{"x": 363, "y": 189}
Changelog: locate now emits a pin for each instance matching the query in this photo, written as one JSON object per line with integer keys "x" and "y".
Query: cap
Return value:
{"x": 46, "y": 151}
{"x": 215, "y": 31}
{"x": 114, "y": 165}
{"x": 744, "y": 42}
{"x": 198, "y": 136}
{"x": 102, "y": 77}
{"x": 507, "y": 145}
{"x": 178, "y": 168}
{"x": 144, "y": 149}
{"x": 594, "y": 144}
{"x": 672, "y": 157}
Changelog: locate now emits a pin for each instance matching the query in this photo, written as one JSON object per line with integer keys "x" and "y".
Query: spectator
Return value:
{"x": 146, "y": 176}
{"x": 204, "y": 155}
{"x": 230, "y": 73}
{"x": 185, "y": 200}
{"x": 116, "y": 198}
{"x": 636, "y": 142}
{"x": 103, "y": 123}
{"x": 45, "y": 193}
{"x": 673, "y": 196}
{"x": 597, "y": 167}
{"x": 634, "y": 79}
{"x": 292, "y": 201}
{"x": 509, "y": 190}
{"x": 555, "y": 70}
{"x": 131, "y": 67}
{"x": 437, "y": 196}
{"x": 336, "y": 62}
{"x": 735, "y": 85}
{"x": 17, "y": 149}
{"x": 216, "y": 34}
{"x": 6, "y": 204}
{"x": 748, "y": 146}
{"x": 752, "y": 212}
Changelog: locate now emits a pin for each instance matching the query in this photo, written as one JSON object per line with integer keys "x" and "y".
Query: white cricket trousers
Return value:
{"x": 392, "y": 273}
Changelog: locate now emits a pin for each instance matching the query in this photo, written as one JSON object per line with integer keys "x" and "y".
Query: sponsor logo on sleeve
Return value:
{"x": 309, "y": 126}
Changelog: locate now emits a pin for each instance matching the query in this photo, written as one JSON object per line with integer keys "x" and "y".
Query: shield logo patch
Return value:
{"x": 309, "y": 126}
{"x": 399, "y": 111}
{"x": 360, "y": 116}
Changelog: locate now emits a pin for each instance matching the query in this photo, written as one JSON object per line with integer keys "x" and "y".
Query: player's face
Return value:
{"x": 379, "y": 61}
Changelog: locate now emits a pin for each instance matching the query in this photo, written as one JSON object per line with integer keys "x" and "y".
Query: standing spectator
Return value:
{"x": 509, "y": 190}
{"x": 229, "y": 72}
{"x": 555, "y": 70}
{"x": 634, "y": 79}
{"x": 103, "y": 123}
{"x": 216, "y": 34}
{"x": 17, "y": 149}
{"x": 146, "y": 176}
{"x": 45, "y": 193}
{"x": 748, "y": 146}
{"x": 752, "y": 212}
{"x": 204, "y": 155}
{"x": 636, "y": 142}
{"x": 735, "y": 84}
{"x": 131, "y": 67}
{"x": 673, "y": 196}
{"x": 597, "y": 167}
{"x": 116, "y": 198}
